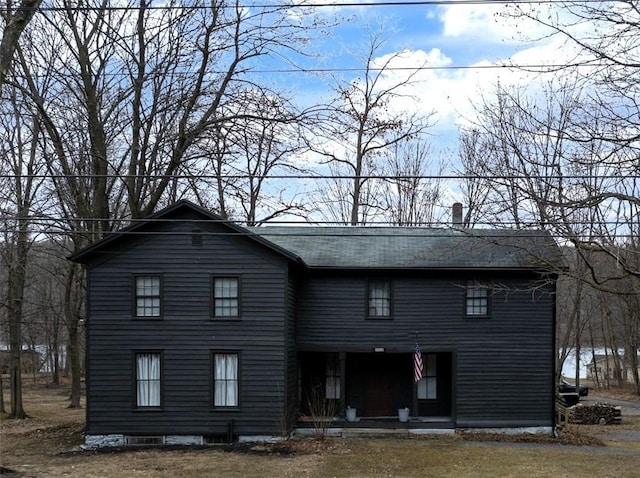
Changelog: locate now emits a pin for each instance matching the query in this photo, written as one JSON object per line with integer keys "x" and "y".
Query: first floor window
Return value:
{"x": 226, "y": 298}
{"x": 148, "y": 387}
{"x": 332, "y": 378}
{"x": 379, "y": 299}
{"x": 225, "y": 380}
{"x": 427, "y": 386}
{"x": 477, "y": 302}
{"x": 147, "y": 296}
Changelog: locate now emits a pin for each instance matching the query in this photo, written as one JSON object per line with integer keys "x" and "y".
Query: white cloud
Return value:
{"x": 478, "y": 21}
{"x": 496, "y": 23}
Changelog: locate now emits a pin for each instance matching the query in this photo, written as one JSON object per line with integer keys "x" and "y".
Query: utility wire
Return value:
{"x": 425, "y": 231}
{"x": 306, "y": 5}
{"x": 536, "y": 67}
{"x": 387, "y": 177}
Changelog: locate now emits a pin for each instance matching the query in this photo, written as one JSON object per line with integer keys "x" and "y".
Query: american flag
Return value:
{"x": 418, "y": 367}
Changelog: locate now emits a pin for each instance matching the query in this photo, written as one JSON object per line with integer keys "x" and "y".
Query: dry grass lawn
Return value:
{"x": 47, "y": 444}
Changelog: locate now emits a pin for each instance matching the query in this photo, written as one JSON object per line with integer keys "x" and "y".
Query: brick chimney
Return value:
{"x": 456, "y": 214}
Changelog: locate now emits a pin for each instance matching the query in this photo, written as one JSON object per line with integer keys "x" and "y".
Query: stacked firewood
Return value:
{"x": 596, "y": 414}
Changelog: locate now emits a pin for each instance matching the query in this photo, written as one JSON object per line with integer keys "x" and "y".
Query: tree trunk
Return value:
{"x": 16, "y": 280}
{"x": 16, "y": 22}
{"x": 15, "y": 368}
{"x": 633, "y": 355}
{"x": 55, "y": 359}
{"x": 72, "y": 320}
{"x": 2, "y": 409}
{"x": 76, "y": 368}
{"x": 606, "y": 356}
{"x": 596, "y": 375}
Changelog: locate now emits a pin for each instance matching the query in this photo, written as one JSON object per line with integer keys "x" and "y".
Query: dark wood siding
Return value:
{"x": 503, "y": 364}
{"x": 292, "y": 355}
{"x": 187, "y": 335}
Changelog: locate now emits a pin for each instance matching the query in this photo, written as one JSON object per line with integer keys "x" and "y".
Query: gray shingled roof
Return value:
{"x": 415, "y": 248}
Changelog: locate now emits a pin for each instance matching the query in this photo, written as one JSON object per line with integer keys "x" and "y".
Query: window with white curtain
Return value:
{"x": 148, "y": 386}
{"x": 226, "y": 297}
{"x": 225, "y": 380}
{"x": 147, "y": 296}
{"x": 379, "y": 299}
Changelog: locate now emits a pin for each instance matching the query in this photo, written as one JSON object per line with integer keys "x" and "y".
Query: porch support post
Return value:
{"x": 342, "y": 357}
{"x": 414, "y": 408}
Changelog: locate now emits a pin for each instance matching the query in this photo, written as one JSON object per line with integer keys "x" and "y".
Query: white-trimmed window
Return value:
{"x": 226, "y": 297}
{"x": 225, "y": 380}
{"x": 379, "y": 299}
{"x": 428, "y": 384}
{"x": 148, "y": 379}
{"x": 477, "y": 300}
{"x": 148, "y": 295}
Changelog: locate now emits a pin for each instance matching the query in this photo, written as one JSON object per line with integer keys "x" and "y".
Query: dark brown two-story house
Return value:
{"x": 199, "y": 330}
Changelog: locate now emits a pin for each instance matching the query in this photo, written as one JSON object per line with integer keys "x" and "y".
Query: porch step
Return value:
{"x": 375, "y": 433}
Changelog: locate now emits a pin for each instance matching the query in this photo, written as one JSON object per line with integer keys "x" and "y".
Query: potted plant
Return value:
{"x": 403, "y": 414}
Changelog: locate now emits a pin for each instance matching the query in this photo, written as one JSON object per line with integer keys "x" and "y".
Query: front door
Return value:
{"x": 378, "y": 384}
{"x": 378, "y": 396}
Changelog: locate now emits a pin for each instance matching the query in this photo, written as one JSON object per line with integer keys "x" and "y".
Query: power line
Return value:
{"x": 304, "y": 5}
{"x": 535, "y": 67}
{"x": 312, "y": 228}
{"x": 426, "y": 231}
{"x": 484, "y": 225}
{"x": 386, "y": 177}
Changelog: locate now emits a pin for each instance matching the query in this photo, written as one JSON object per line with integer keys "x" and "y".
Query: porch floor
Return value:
{"x": 385, "y": 423}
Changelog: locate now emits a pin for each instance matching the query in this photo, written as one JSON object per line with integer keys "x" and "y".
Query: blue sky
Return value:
{"x": 442, "y": 35}
{"x": 463, "y": 35}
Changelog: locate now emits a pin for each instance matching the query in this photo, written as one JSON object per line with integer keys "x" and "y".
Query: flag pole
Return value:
{"x": 415, "y": 382}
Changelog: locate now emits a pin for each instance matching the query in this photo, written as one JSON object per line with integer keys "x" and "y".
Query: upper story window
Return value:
{"x": 477, "y": 301}
{"x": 379, "y": 302}
{"x": 148, "y": 379}
{"x": 148, "y": 298}
{"x": 226, "y": 297}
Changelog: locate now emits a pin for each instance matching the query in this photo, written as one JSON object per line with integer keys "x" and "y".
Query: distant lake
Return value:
{"x": 586, "y": 355}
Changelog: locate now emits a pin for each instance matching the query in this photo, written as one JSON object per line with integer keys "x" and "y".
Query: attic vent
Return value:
{"x": 145, "y": 440}
{"x": 196, "y": 238}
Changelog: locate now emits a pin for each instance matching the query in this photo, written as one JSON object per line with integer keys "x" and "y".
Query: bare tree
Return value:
{"x": 604, "y": 37}
{"x": 361, "y": 124}
{"x": 472, "y": 151}
{"x": 412, "y": 186}
{"x": 21, "y": 163}
{"x": 48, "y": 264}
{"x": 260, "y": 139}
{"x": 544, "y": 167}
{"x": 537, "y": 171}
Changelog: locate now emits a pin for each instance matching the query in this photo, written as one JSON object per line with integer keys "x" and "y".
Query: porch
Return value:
{"x": 372, "y": 390}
